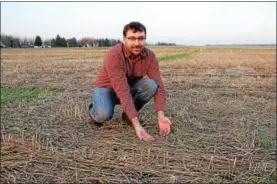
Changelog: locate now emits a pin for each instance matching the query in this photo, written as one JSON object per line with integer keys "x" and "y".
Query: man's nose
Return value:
{"x": 137, "y": 42}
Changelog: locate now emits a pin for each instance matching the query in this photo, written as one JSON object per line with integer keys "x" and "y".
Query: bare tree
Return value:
{"x": 86, "y": 40}
{"x": 31, "y": 41}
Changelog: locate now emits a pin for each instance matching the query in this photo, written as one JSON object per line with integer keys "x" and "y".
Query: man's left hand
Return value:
{"x": 164, "y": 125}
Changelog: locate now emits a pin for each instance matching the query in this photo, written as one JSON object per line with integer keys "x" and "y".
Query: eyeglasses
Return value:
{"x": 133, "y": 39}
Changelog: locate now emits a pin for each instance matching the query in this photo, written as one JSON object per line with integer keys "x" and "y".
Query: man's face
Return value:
{"x": 134, "y": 41}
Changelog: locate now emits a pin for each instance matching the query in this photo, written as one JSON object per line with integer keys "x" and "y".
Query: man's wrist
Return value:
{"x": 136, "y": 123}
{"x": 160, "y": 114}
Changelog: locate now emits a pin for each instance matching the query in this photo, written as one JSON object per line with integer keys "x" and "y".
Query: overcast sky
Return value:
{"x": 189, "y": 23}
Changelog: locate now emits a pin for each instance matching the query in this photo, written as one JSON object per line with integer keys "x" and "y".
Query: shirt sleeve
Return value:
{"x": 154, "y": 73}
{"x": 115, "y": 69}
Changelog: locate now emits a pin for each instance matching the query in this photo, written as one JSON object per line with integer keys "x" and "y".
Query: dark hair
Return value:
{"x": 137, "y": 26}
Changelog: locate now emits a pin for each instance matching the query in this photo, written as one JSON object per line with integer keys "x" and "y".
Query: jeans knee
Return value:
{"x": 151, "y": 86}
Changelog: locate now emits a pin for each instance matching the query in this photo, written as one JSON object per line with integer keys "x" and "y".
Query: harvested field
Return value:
{"x": 222, "y": 102}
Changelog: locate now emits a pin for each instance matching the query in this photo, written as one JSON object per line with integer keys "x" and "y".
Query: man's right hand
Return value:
{"x": 141, "y": 132}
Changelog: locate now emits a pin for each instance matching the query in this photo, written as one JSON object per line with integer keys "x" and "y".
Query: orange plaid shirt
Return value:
{"x": 117, "y": 72}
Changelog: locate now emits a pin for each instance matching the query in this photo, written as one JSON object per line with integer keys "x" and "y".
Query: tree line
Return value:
{"x": 17, "y": 42}
{"x": 164, "y": 43}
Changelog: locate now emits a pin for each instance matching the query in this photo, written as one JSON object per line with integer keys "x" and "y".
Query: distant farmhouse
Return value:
{"x": 91, "y": 45}
{"x": 87, "y": 45}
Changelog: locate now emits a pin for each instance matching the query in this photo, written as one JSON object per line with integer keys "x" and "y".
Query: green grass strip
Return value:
{"x": 11, "y": 94}
{"x": 174, "y": 57}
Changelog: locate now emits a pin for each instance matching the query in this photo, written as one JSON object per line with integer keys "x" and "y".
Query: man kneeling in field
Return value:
{"x": 122, "y": 81}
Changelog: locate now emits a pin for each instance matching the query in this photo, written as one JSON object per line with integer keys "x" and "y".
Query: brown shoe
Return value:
{"x": 92, "y": 121}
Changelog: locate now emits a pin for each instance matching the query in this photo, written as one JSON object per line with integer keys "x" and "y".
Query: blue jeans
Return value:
{"x": 105, "y": 99}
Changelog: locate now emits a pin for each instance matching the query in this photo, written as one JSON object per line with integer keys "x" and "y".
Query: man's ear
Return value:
{"x": 124, "y": 39}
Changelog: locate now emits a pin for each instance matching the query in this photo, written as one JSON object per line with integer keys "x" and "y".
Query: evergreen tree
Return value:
{"x": 58, "y": 41}
{"x": 72, "y": 42}
{"x": 63, "y": 42}
{"x": 106, "y": 42}
{"x": 38, "y": 41}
